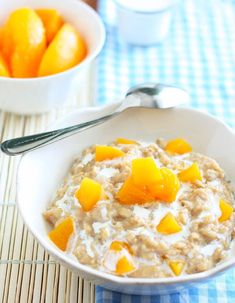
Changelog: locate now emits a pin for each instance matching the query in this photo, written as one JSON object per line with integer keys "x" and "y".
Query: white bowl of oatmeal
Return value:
{"x": 159, "y": 237}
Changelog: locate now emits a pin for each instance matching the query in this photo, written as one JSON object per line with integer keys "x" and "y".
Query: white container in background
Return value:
{"x": 144, "y": 22}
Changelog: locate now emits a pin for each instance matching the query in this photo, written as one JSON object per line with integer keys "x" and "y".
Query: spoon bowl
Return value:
{"x": 159, "y": 95}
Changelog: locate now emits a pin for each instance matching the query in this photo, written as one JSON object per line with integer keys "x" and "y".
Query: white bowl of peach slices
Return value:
{"x": 143, "y": 203}
{"x": 46, "y": 47}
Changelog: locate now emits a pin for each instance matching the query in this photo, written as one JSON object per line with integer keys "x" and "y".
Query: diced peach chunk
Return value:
{"x": 145, "y": 172}
{"x": 226, "y": 210}
{"x": 129, "y": 193}
{"x": 119, "y": 246}
{"x": 167, "y": 189}
{"x": 191, "y": 174}
{"x": 104, "y": 152}
{"x": 124, "y": 266}
{"x": 143, "y": 186}
{"x": 176, "y": 267}
{"x": 168, "y": 225}
{"x": 125, "y": 141}
{"x": 61, "y": 233}
{"x": 178, "y": 146}
{"x": 89, "y": 193}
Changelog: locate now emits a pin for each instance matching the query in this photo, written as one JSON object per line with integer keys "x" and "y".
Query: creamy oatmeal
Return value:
{"x": 144, "y": 210}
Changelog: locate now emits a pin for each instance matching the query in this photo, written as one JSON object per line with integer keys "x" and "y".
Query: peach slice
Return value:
{"x": 4, "y": 70}
{"x": 124, "y": 266}
{"x": 66, "y": 50}
{"x": 24, "y": 42}
{"x": 226, "y": 210}
{"x": 190, "y": 174}
{"x": 104, "y": 152}
{"x": 145, "y": 172}
{"x": 89, "y": 193}
{"x": 52, "y": 21}
{"x": 178, "y": 146}
{"x": 168, "y": 225}
{"x": 176, "y": 267}
{"x": 61, "y": 233}
{"x": 1, "y": 36}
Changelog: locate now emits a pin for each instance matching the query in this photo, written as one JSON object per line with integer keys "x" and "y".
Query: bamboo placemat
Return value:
{"x": 27, "y": 272}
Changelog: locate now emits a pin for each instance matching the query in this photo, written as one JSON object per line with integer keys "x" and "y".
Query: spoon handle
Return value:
{"x": 20, "y": 145}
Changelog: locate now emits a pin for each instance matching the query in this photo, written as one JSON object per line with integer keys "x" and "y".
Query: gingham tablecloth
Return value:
{"x": 199, "y": 55}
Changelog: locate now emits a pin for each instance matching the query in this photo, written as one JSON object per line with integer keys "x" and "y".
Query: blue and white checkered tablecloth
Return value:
{"x": 199, "y": 55}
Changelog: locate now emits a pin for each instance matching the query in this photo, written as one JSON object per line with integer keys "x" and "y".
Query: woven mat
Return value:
{"x": 27, "y": 272}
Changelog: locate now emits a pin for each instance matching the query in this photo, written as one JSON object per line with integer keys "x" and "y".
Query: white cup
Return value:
{"x": 144, "y": 22}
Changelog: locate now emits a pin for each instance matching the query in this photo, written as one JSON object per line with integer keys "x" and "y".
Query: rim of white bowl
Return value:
{"x": 75, "y": 265}
{"x": 146, "y": 11}
{"x": 87, "y": 59}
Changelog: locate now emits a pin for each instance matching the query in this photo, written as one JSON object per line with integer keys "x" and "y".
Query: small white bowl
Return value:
{"x": 37, "y": 95}
{"x": 41, "y": 171}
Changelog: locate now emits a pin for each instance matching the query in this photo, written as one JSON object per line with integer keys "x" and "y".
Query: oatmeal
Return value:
{"x": 144, "y": 210}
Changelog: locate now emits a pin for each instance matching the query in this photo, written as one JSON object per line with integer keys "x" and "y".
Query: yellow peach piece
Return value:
{"x": 104, "y": 152}
{"x": 178, "y": 146}
{"x": 167, "y": 189}
{"x": 61, "y": 233}
{"x": 119, "y": 246}
{"x": 176, "y": 267}
{"x": 24, "y": 42}
{"x": 226, "y": 210}
{"x": 66, "y": 50}
{"x": 4, "y": 70}
{"x": 52, "y": 21}
{"x": 168, "y": 225}
{"x": 125, "y": 141}
{"x": 89, "y": 193}
{"x": 1, "y": 36}
{"x": 124, "y": 266}
{"x": 145, "y": 172}
{"x": 190, "y": 174}
{"x": 129, "y": 194}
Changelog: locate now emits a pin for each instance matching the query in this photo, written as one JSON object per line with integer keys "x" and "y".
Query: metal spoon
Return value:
{"x": 149, "y": 95}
